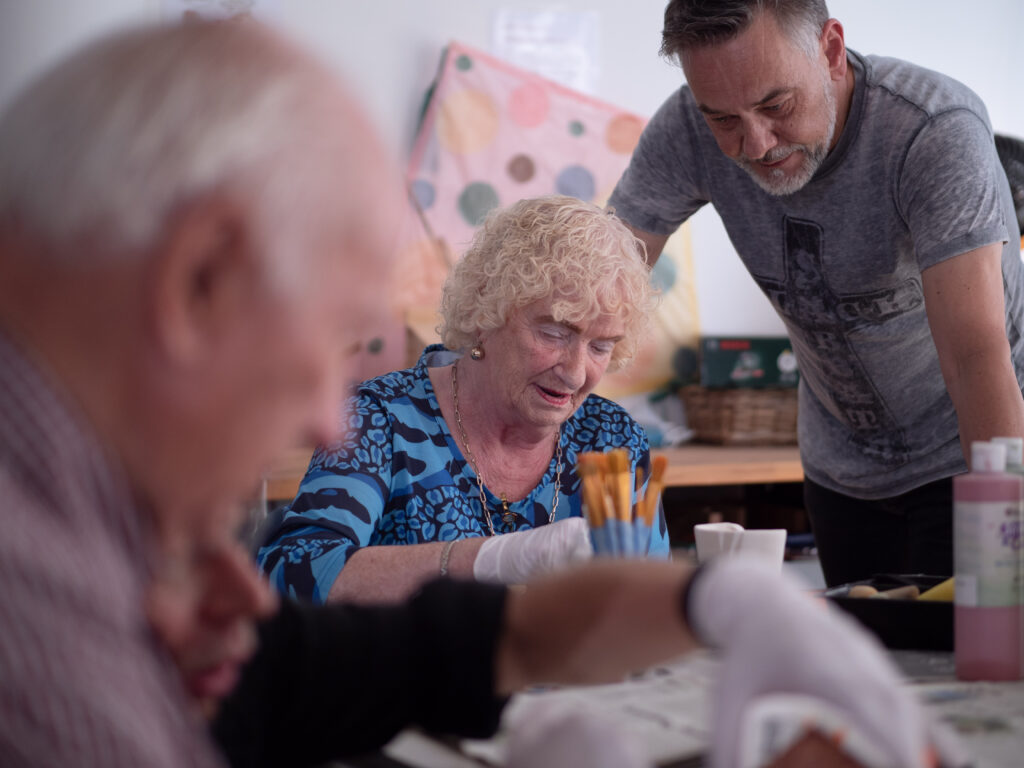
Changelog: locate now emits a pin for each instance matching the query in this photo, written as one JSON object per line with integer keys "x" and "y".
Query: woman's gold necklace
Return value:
{"x": 507, "y": 515}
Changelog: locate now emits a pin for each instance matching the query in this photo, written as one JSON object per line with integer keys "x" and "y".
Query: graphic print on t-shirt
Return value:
{"x": 825, "y": 319}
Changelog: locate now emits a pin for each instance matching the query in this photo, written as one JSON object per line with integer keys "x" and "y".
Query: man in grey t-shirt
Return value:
{"x": 866, "y": 198}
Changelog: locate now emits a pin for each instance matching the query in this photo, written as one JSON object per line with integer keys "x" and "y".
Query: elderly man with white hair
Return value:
{"x": 169, "y": 320}
{"x": 191, "y": 227}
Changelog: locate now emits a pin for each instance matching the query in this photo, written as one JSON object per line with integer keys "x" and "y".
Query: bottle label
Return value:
{"x": 987, "y": 553}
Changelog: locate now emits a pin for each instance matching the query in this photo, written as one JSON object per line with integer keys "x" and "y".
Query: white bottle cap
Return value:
{"x": 1014, "y": 449}
{"x": 988, "y": 457}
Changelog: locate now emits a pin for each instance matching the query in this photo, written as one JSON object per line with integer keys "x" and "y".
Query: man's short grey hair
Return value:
{"x": 101, "y": 149}
{"x": 698, "y": 23}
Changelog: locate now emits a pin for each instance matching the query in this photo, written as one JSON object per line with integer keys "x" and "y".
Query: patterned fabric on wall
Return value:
{"x": 492, "y": 134}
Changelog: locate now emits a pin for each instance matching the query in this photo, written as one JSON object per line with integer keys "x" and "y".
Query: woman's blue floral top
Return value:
{"x": 398, "y": 477}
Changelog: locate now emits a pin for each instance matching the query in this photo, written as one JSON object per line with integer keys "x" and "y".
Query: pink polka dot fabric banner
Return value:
{"x": 491, "y": 134}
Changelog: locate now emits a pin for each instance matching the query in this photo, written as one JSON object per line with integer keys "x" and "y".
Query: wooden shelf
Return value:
{"x": 694, "y": 464}
{"x": 286, "y": 474}
{"x": 688, "y": 465}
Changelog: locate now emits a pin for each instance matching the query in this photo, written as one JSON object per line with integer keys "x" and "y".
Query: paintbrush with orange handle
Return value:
{"x": 620, "y": 487}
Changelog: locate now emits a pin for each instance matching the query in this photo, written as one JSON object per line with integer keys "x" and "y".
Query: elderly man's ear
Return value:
{"x": 204, "y": 280}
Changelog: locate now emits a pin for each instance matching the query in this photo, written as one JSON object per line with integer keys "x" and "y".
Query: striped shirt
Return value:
{"x": 83, "y": 682}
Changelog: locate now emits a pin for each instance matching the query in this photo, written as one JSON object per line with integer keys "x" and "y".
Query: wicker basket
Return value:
{"x": 741, "y": 416}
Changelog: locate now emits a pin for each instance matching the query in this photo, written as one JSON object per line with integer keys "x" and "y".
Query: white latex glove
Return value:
{"x": 512, "y": 558}
{"x": 555, "y": 736}
{"x": 776, "y": 638}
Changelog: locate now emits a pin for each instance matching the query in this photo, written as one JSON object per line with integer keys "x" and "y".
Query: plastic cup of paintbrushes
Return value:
{"x": 625, "y": 536}
{"x": 619, "y": 515}
{"x": 641, "y": 536}
{"x": 601, "y": 539}
{"x": 619, "y": 538}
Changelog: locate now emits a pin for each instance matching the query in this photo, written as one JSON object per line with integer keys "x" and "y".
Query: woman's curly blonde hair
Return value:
{"x": 581, "y": 255}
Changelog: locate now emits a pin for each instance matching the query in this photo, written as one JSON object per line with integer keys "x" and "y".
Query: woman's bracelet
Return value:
{"x": 445, "y": 554}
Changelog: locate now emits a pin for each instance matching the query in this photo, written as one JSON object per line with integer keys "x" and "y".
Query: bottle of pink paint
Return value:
{"x": 987, "y": 566}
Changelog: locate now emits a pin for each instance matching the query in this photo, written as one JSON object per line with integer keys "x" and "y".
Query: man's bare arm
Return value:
{"x": 654, "y": 244}
{"x": 964, "y": 300}
{"x": 593, "y": 624}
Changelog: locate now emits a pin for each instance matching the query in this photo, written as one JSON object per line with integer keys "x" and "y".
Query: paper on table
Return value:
{"x": 413, "y": 748}
{"x": 665, "y": 708}
{"x": 987, "y": 717}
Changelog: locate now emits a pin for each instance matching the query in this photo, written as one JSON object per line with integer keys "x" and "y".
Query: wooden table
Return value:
{"x": 693, "y": 465}
{"x": 286, "y": 474}
{"x": 688, "y": 465}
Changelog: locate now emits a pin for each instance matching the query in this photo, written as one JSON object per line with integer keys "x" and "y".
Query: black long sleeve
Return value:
{"x": 335, "y": 681}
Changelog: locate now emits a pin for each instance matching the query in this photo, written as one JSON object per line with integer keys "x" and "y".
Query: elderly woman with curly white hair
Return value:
{"x": 468, "y": 459}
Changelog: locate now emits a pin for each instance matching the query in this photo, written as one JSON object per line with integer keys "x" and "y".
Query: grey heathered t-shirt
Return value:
{"x": 914, "y": 180}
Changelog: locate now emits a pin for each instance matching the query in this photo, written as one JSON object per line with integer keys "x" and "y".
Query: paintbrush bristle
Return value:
{"x": 618, "y": 460}
{"x": 658, "y": 466}
{"x": 587, "y": 464}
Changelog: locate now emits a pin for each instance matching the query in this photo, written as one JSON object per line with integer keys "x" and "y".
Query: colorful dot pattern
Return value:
{"x": 493, "y": 134}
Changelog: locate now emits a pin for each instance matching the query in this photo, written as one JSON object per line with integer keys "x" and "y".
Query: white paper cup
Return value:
{"x": 714, "y": 539}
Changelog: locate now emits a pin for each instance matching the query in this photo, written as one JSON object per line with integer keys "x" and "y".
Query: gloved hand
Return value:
{"x": 512, "y": 558}
{"x": 776, "y": 638}
{"x": 554, "y": 736}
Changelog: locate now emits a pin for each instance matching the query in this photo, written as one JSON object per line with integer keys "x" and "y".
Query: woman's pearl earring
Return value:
{"x": 477, "y": 352}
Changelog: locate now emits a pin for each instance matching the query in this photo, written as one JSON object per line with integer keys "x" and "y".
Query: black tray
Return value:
{"x": 900, "y": 624}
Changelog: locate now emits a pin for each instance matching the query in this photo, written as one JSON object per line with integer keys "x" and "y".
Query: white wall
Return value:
{"x": 389, "y": 49}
